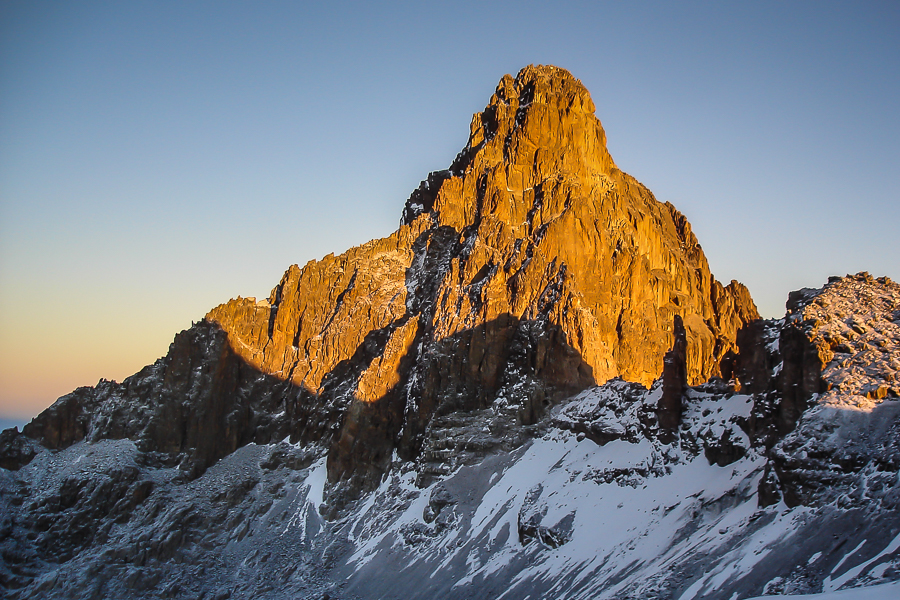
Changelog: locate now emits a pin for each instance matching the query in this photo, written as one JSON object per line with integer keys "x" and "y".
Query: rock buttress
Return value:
{"x": 533, "y": 267}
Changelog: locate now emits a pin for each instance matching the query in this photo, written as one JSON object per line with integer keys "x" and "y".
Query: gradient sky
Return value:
{"x": 159, "y": 158}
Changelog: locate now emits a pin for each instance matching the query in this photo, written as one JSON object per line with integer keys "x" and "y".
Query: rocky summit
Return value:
{"x": 534, "y": 388}
{"x": 529, "y": 270}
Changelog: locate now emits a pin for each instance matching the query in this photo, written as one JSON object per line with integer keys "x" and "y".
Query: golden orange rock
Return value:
{"x": 531, "y": 268}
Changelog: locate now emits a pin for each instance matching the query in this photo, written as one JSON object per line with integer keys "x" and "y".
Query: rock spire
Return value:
{"x": 532, "y": 267}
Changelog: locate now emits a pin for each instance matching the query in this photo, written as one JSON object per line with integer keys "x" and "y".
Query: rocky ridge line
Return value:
{"x": 724, "y": 506}
{"x": 529, "y": 270}
{"x": 423, "y": 369}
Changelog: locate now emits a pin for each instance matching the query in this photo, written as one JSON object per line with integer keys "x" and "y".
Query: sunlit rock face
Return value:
{"x": 462, "y": 411}
{"x": 531, "y": 269}
{"x": 619, "y": 491}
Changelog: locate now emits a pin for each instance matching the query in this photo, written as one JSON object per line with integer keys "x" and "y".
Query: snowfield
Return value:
{"x": 588, "y": 503}
{"x": 561, "y": 517}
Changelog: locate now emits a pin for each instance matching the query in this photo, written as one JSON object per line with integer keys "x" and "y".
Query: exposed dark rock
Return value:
{"x": 674, "y": 379}
{"x": 724, "y": 450}
{"x": 16, "y": 450}
{"x": 760, "y": 355}
{"x": 801, "y": 374}
{"x": 197, "y": 404}
{"x": 430, "y": 399}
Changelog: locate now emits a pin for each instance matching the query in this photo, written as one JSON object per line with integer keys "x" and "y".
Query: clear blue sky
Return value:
{"x": 159, "y": 158}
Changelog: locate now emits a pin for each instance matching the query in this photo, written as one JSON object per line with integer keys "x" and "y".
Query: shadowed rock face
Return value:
{"x": 416, "y": 373}
{"x": 674, "y": 381}
{"x": 532, "y": 223}
{"x": 531, "y": 269}
{"x": 192, "y": 407}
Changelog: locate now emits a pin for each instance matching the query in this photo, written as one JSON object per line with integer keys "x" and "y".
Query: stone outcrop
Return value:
{"x": 532, "y": 268}
{"x": 192, "y": 407}
{"x": 529, "y": 270}
{"x": 853, "y": 340}
{"x": 839, "y": 341}
{"x": 840, "y": 349}
{"x": 674, "y": 380}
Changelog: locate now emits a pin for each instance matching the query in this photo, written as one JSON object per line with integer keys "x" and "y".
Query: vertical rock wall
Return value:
{"x": 533, "y": 239}
{"x": 529, "y": 270}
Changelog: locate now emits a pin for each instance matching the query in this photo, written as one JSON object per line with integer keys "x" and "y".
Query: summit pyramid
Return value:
{"x": 529, "y": 270}
{"x": 532, "y": 267}
{"x": 533, "y": 388}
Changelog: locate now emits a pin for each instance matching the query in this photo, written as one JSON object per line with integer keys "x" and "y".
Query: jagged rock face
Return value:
{"x": 674, "y": 379}
{"x": 839, "y": 384}
{"x": 516, "y": 510}
{"x": 531, "y": 269}
{"x": 192, "y": 407}
{"x": 545, "y": 200}
{"x": 155, "y": 487}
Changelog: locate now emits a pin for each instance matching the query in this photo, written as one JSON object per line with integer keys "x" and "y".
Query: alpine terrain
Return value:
{"x": 534, "y": 388}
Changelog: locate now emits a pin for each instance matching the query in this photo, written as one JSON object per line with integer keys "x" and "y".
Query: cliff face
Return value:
{"x": 686, "y": 483}
{"x": 530, "y": 269}
{"x": 409, "y": 408}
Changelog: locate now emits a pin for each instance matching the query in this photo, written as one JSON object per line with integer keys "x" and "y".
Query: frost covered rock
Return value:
{"x": 846, "y": 445}
{"x": 473, "y": 408}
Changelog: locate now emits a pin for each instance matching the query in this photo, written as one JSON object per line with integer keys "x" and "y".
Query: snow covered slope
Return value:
{"x": 589, "y": 502}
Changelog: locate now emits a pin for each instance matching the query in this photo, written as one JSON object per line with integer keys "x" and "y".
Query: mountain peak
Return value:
{"x": 545, "y": 84}
{"x": 426, "y": 405}
{"x": 531, "y": 245}
{"x": 531, "y": 269}
{"x": 538, "y": 128}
